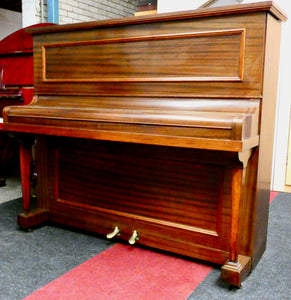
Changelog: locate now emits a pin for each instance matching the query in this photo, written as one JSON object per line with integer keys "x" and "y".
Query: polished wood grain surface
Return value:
{"x": 109, "y": 64}
{"x": 228, "y": 124}
{"x": 269, "y": 6}
{"x": 234, "y": 69}
{"x": 171, "y": 194}
{"x": 159, "y": 125}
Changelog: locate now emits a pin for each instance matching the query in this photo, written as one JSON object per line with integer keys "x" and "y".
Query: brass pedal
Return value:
{"x": 134, "y": 237}
{"x": 114, "y": 233}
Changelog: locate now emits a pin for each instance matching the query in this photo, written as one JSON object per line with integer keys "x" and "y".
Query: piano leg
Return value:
{"x": 25, "y": 157}
{"x": 2, "y": 177}
{"x": 28, "y": 218}
{"x": 236, "y": 269}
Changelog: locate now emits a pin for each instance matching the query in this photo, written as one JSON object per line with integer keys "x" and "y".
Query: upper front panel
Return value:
{"x": 191, "y": 56}
{"x": 218, "y": 56}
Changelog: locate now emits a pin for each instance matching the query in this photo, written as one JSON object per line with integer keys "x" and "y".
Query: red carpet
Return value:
{"x": 123, "y": 273}
{"x": 273, "y": 195}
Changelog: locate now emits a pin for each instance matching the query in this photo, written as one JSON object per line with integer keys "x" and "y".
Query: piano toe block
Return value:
{"x": 235, "y": 273}
{"x": 27, "y": 220}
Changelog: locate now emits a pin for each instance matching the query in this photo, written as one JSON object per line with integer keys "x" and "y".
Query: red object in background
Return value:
{"x": 16, "y": 62}
{"x": 27, "y": 94}
{"x": 16, "y": 86}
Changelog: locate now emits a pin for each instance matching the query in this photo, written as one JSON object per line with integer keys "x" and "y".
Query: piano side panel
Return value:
{"x": 267, "y": 130}
{"x": 256, "y": 191}
{"x": 116, "y": 57}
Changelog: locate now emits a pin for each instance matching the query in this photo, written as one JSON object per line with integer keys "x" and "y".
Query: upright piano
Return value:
{"x": 157, "y": 130}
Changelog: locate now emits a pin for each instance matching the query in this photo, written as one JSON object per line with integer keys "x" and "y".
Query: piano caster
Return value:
{"x": 114, "y": 233}
{"x": 134, "y": 237}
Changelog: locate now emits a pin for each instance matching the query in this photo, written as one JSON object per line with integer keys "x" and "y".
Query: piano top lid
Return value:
{"x": 269, "y": 6}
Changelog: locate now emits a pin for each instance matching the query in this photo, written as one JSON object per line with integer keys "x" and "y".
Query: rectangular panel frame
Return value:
{"x": 161, "y": 37}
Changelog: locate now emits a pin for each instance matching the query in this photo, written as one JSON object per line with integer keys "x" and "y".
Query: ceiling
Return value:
{"x": 15, "y": 5}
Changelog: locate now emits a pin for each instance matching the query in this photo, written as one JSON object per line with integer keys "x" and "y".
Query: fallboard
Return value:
{"x": 222, "y": 124}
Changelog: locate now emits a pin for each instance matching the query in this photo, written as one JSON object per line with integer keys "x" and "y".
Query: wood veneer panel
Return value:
{"x": 183, "y": 195}
{"x": 161, "y": 62}
{"x": 173, "y": 191}
{"x": 235, "y": 69}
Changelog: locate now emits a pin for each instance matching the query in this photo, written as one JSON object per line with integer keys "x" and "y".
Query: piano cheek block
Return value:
{"x": 167, "y": 142}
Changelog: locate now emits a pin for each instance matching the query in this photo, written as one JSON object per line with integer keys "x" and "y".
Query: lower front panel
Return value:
{"x": 175, "y": 199}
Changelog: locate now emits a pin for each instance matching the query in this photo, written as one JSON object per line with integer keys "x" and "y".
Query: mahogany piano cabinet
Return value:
{"x": 157, "y": 130}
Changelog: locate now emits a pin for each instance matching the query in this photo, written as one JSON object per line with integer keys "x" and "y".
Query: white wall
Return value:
{"x": 10, "y": 21}
{"x": 171, "y": 6}
{"x": 74, "y": 11}
{"x": 284, "y": 103}
{"x": 225, "y": 2}
{"x": 29, "y": 15}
